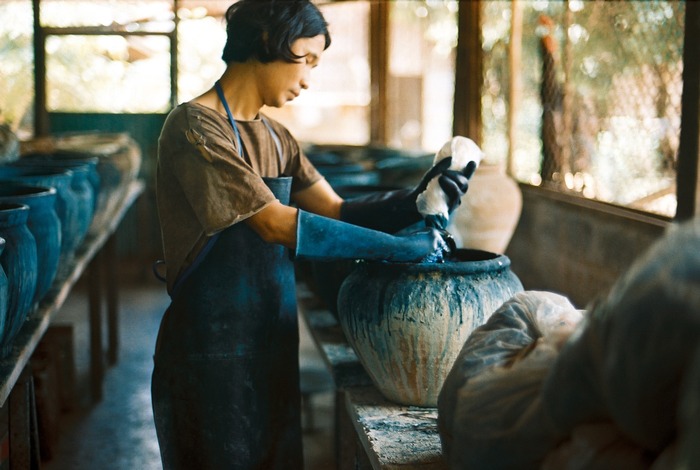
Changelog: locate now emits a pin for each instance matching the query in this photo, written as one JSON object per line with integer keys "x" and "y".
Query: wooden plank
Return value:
{"x": 38, "y": 321}
{"x": 394, "y": 436}
{"x": 468, "y": 72}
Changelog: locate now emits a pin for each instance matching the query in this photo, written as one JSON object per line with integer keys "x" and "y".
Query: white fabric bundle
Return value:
{"x": 490, "y": 414}
{"x": 432, "y": 203}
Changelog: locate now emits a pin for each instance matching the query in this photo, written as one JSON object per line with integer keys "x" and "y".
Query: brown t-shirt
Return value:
{"x": 203, "y": 185}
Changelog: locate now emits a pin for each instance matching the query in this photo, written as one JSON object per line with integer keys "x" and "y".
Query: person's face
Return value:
{"x": 283, "y": 81}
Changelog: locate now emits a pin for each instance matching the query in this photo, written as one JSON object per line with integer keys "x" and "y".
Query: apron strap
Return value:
{"x": 222, "y": 98}
{"x": 241, "y": 149}
{"x": 278, "y": 143}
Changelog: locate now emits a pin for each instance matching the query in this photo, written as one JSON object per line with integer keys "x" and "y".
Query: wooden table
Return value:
{"x": 97, "y": 257}
{"x": 371, "y": 432}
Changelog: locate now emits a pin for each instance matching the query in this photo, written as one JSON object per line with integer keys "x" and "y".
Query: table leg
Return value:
{"x": 95, "y": 301}
{"x": 110, "y": 265}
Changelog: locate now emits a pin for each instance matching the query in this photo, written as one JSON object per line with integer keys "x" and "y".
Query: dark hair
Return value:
{"x": 266, "y": 29}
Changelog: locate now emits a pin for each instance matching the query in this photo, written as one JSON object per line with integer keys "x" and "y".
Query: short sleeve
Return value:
{"x": 220, "y": 187}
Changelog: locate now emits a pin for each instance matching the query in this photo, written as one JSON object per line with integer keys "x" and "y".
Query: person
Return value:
{"x": 236, "y": 196}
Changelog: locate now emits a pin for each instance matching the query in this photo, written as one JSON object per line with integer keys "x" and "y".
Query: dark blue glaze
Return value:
{"x": 408, "y": 321}
{"x": 63, "y": 160}
{"x": 44, "y": 224}
{"x": 66, "y": 201}
{"x": 83, "y": 190}
{"x": 19, "y": 262}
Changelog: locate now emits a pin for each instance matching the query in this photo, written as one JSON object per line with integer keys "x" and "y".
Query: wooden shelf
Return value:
{"x": 39, "y": 319}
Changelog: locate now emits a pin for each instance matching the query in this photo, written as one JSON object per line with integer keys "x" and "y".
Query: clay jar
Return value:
{"x": 408, "y": 321}
{"x": 119, "y": 163}
{"x": 489, "y": 213}
{"x": 44, "y": 224}
{"x": 78, "y": 163}
{"x": 18, "y": 260}
{"x": 81, "y": 186}
{"x": 66, "y": 200}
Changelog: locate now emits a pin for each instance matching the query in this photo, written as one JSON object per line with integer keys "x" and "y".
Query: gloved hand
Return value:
{"x": 393, "y": 210}
{"x": 323, "y": 239}
{"x": 435, "y": 204}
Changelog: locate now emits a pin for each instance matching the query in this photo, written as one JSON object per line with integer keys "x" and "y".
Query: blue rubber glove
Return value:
{"x": 321, "y": 238}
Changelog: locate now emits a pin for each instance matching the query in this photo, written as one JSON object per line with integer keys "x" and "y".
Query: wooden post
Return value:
{"x": 111, "y": 286}
{"x": 468, "y": 72}
{"x": 95, "y": 301}
{"x": 379, "y": 62}
{"x": 515, "y": 83}
{"x": 41, "y": 117}
{"x": 687, "y": 177}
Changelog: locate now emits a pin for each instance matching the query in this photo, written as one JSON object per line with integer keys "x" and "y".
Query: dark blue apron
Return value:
{"x": 225, "y": 384}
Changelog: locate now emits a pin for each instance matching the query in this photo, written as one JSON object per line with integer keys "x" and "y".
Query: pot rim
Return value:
{"x": 25, "y": 191}
{"x": 485, "y": 261}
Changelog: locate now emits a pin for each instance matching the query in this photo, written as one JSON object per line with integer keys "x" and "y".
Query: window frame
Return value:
{"x": 41, "y": 33}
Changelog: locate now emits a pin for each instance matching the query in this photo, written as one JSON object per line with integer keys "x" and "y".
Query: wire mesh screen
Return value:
{"x": 599, "y": 111}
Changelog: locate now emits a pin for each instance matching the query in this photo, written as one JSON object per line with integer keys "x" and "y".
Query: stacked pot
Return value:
{"x": 48, "y": 203}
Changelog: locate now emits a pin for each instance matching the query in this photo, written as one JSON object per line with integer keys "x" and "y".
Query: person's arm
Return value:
{"x": 277, "y": 223}
{"x": 323, "y": 237}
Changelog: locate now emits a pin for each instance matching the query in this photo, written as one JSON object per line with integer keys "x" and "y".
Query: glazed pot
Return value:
{"x": 66, "y": 160}
{"x": 66, "y": 200}
{"x": 404, "y": 170}
{"x": 81, "y": 186}
{"x": 119, "y": 162}
{"x": 18, "y": 260}
{"x": 4, "y": 292}
{"x": 348, "y": 174}
{"x": 44, "y": 224}
{"x": 408, "y": 321}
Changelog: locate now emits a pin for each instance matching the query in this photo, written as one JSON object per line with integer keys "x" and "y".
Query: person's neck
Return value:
{"x": 239, "y": 86}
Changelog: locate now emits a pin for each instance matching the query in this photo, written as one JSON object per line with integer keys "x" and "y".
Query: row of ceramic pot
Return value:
{"x": 49, "y": 203}
{"x": 45, "y": 213}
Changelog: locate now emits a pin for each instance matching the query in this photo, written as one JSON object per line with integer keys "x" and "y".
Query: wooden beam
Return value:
{"x": 379, "y": 63}
{"x": 688, "y": 179}
{"x": 515, "y": 82}
{"x": 469, "y": 72}
{"x": 41, "y": 117}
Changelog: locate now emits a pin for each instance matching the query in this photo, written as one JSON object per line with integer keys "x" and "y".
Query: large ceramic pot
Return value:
{"x": 18, "y": 260}
{"x": 4, "y": 293}
{"x": 348, "y": 174}
{"x": 489, "y": 213}
{"x": 44, "y": 225}
{"x": 408, "y": 321}
{"x": 119, "y": 162}
{"x": 81, "y": 186}
{"x": 66, "y": 200}
{"x": 63, "y": 159}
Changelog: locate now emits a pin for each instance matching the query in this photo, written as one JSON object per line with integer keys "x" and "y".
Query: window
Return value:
{"x": 421, "y": 71}
{"x": 599, "y": 113}
{"x": 17, "y": 66}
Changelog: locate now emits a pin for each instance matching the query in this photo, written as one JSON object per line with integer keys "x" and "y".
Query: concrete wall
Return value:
{"x": 572, "y": 247}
